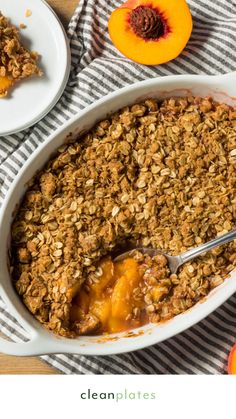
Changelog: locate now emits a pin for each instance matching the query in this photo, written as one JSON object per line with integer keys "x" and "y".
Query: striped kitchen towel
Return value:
{"x": 97, "y": 69}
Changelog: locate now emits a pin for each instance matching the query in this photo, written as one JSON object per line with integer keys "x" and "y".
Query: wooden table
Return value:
{"x": 17, "y": 365}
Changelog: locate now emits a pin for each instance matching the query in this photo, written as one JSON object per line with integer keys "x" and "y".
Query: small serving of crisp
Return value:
{"x": 16, "y": 62}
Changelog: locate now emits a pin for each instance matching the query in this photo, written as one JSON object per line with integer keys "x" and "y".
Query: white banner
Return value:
{"x": 185, "y": 397}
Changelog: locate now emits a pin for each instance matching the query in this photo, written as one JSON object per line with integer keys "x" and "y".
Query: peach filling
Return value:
{"x": 112, "y": 299}
{"x": 5, "y": 84}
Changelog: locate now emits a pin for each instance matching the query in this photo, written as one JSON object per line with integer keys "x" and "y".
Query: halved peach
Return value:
{"x": 151, "y": 32}
{"x": 232, "y": 361}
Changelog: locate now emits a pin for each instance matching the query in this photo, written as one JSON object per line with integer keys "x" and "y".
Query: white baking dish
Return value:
{"x": 222, "y": 88}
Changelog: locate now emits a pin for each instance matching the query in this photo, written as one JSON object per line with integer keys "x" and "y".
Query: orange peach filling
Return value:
{"x": 5, "y": 84}
{"x": 112, "y": 298}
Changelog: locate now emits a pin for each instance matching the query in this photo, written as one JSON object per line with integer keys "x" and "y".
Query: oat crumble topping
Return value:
{"x": 16, "y": 62}
{"x": 153, "y": 174}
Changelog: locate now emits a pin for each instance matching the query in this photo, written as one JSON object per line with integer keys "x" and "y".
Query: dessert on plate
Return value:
{"x": 16, "y": 61}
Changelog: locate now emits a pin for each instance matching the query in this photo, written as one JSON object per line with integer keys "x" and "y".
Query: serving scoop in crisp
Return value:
{"x": 175, "y": 262}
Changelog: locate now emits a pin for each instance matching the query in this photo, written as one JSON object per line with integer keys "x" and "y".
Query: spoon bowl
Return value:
{"x": 175, "y": 262}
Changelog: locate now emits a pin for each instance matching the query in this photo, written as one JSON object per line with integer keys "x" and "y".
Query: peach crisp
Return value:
{"x": 16, "y": 62}
{"x": 157, "y": 174}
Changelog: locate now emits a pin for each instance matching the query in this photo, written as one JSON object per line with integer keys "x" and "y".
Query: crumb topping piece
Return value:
{"x": 28, "y": 13}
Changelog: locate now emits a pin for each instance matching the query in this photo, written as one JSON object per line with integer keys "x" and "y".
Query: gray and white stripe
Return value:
{"x": 97, "y": 69}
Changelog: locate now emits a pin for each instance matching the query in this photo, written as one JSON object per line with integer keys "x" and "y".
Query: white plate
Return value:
{"x": 33, "y": 98}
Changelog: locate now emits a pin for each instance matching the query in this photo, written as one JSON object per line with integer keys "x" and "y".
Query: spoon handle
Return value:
{"x": 196, "y": 251}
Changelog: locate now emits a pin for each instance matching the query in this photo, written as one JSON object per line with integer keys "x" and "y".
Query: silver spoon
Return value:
{"x": 175, "y": 262}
